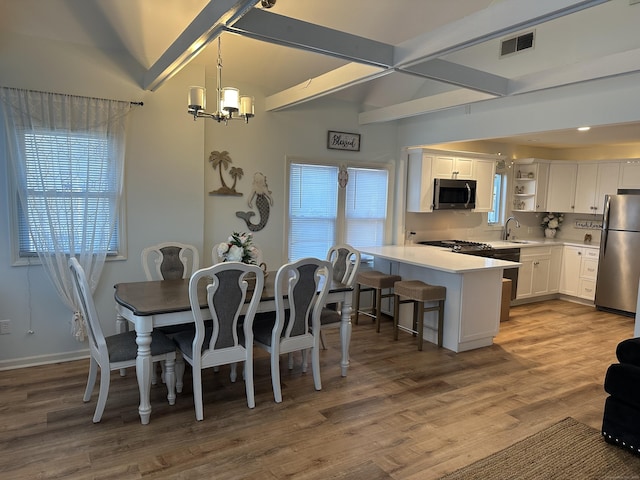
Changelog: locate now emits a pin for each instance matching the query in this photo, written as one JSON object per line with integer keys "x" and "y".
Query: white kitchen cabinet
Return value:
{"x": 569, "y": 277}
{"x": 423, "y": 166}
{"x": 579, "y": 271}
{"x": 555, "y": 269}
{"x": 630, "y": 174}
{"x": 593, "y": 182}
{"x": 561, "y": 186}
{"x": 484, "y": 171}
{"x": 419, "y": 181}
{"x": 453, "y": 167}
{"x": 540, "y": 271}
{"x": 530, "y": 186}
{"x": 588, "y": 275}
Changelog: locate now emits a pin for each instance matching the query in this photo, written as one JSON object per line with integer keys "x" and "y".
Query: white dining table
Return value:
{"x": 151, "y": 304}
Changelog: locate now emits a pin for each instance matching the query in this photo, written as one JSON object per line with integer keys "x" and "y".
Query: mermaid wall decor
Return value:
{"x": 264, "y": 201}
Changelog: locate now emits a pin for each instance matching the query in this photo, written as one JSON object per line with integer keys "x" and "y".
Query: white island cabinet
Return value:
{"x": 474, "y": 290}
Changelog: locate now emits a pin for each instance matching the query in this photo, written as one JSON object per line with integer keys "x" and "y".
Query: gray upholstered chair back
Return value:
{"x": 346, "y": 263}
{"x": 227, "y": 289}
{"x": 305, "y": 283}
{"x": 170, "y": 261}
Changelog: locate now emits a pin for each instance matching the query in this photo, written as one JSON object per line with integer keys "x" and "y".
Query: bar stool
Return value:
{"x": 375, "y": 281}
{"x": 418, "y": 292}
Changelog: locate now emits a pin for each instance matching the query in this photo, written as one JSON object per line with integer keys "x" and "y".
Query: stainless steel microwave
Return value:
{"x": 450, "y": 194}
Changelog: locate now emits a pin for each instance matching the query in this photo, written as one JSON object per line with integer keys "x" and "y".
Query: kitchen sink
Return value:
{"x": 522, "y": 241}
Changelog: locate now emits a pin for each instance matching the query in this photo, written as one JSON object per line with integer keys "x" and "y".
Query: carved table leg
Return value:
{"x": 345, "y": 332}
{"x": 143, "y": 372}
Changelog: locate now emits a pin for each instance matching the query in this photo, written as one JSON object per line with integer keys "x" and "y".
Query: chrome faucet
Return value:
{"x": 507, "y": 232}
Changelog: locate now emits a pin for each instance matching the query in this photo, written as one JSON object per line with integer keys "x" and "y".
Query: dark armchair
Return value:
{"x": 621, "y": 421}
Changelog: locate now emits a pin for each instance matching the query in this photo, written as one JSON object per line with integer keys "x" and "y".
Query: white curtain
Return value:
{"x": 66, "y": 156}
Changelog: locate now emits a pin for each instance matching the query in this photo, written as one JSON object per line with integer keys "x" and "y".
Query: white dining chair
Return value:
{"x": 304, "y": 284}
{"x": 346, "y": 263}
{"x": 170, "y": 261}
{"x": 116, "y": 351}
{"x": 229, "y": 338}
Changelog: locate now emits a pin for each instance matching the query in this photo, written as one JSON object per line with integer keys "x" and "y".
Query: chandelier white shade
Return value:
{"x": 230, "y": 105}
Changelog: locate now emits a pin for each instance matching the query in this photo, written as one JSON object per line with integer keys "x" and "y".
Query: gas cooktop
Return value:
{"x": 458, "y": 245}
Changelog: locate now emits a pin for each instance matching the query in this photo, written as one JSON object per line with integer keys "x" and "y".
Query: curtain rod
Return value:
{"x": 139, "y": 104}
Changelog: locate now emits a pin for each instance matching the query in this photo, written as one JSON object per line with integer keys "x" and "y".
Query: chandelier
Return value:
{"x": 229, "y": 104}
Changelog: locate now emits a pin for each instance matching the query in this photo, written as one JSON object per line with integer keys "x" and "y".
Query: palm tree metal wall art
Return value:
{"x": 222, "y": 160}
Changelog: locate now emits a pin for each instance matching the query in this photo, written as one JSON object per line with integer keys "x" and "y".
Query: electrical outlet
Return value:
{"x": 5, "y": 327}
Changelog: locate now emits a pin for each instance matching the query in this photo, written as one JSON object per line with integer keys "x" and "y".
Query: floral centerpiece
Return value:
{"x": 238, "y": 248}
{"x": 551, "y": 223}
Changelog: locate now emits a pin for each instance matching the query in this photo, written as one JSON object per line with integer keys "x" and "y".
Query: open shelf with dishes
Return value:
{"x": 529, "y": 186}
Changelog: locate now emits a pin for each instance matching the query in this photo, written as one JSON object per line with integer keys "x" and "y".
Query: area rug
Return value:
{"x": 567, "y": 450}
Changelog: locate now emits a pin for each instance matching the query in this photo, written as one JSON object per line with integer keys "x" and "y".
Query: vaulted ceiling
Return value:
{"x": 394, "y": 59}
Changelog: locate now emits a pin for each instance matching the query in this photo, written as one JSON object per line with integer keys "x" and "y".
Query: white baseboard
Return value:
{"x": 43, "y": 359}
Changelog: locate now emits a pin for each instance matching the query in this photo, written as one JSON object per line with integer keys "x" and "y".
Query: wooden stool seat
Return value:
{"x": 418, "y": 293}
{"x": 375, "y": 281}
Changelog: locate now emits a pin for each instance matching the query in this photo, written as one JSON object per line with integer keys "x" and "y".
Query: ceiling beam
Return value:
{"x": 622, "y": 63}
{"x": 335, "y": 80}
{"x": 289, "y": 32}
{"x": 420, "y": 56}
{"x": 460, "y": 75}
{"x": 205, "y": 28}
{"x": 420, "y": 106}
{"x": 614, "y": 65}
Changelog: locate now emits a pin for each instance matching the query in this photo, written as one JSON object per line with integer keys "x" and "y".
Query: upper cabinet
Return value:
{"x": 593, "y": 182}
{"x": 530, "y": 185}
{"x": 423, "y": 166}
{"x": 419, "y": 181}
{"x": 538, "y": 185}
{"x": 630, "y": 174}
{"x": 484, "y": 171}
{"x": 453, "y": 167}
{"x": 576, "y": 187}
{"x": 562, "y": 186}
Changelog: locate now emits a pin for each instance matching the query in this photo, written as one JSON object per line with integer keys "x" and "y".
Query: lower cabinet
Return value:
{"x": 540, "y": 271}
{"x": 579, "y": 271}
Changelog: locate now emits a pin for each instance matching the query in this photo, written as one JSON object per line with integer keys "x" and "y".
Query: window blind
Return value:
{"x": 313, "y": 210}
{"x": 69, "y": 171}
{"x": 317, "y": 206}
{"x": 366, "y": 207}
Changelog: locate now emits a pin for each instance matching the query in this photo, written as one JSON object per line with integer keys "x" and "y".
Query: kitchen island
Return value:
{"x": 474, "y": 290}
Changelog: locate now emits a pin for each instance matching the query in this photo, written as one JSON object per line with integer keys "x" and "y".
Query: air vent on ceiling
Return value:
{"x": 516, "y": 44}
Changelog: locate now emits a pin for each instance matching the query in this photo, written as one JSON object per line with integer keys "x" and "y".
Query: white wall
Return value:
{"x": 163, "y": 181}
{"x": 167, "y": 179}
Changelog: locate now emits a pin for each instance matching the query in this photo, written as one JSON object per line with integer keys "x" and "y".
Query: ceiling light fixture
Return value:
{"x": 584, "y": 129}
{"x": 229, "y": 104}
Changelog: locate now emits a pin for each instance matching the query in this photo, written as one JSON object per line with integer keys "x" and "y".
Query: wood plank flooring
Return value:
{"x": 400, "y": 413}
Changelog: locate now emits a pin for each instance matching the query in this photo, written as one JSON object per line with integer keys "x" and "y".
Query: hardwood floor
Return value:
{"x": 400, "y": 413}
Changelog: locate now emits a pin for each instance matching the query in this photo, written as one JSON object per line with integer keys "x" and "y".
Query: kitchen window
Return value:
{"x": 321, "y": 213}
{"x": 496, "y": 215}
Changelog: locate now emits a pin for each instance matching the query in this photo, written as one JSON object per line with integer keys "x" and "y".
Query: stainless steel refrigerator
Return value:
{"x": 619, "y": 264}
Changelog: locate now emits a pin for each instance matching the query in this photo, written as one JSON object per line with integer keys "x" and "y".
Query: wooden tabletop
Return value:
{"x": 166, "y": 296}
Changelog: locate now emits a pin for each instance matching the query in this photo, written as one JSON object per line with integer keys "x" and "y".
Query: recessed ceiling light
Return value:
{"x": 584, "y": 129}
